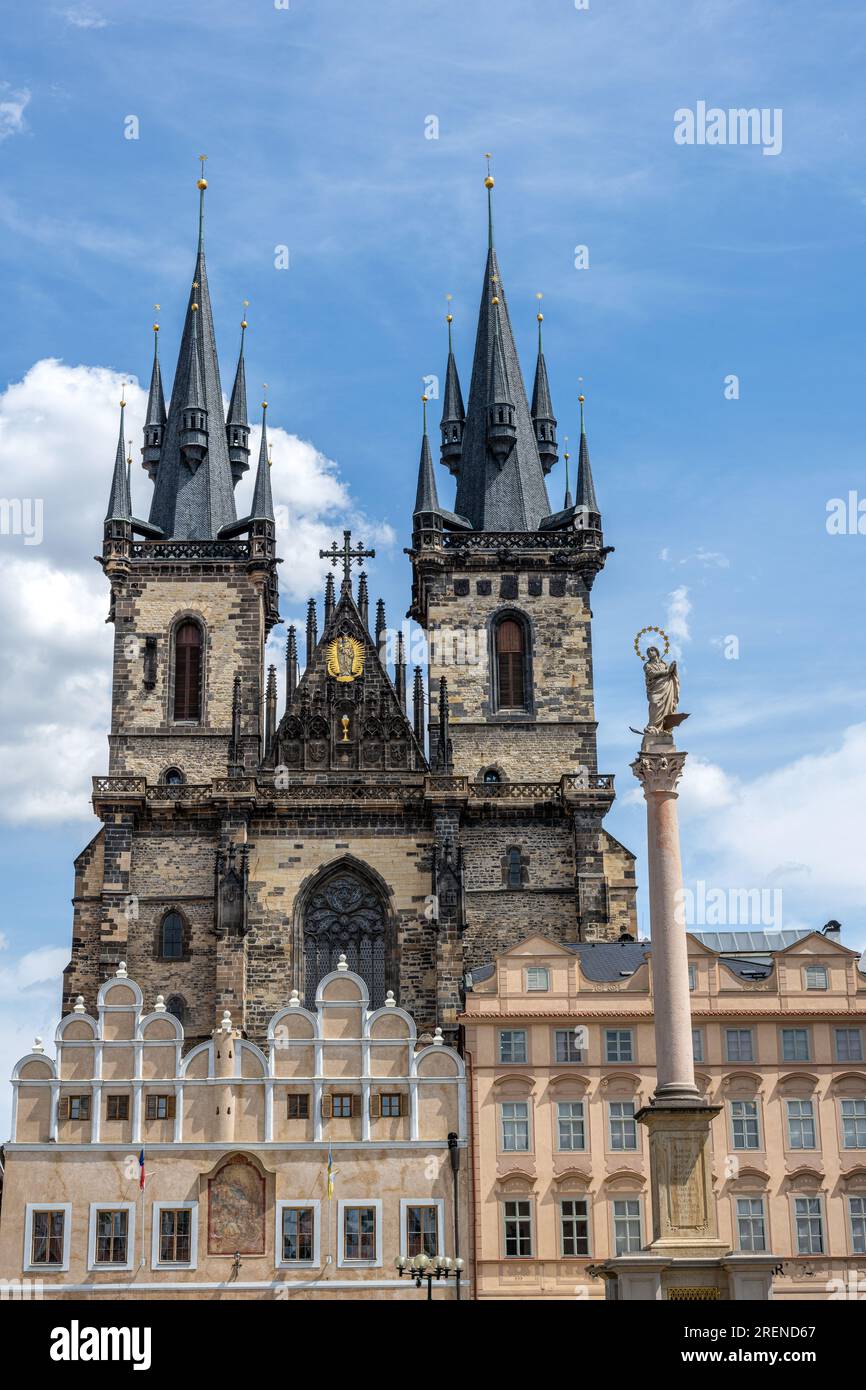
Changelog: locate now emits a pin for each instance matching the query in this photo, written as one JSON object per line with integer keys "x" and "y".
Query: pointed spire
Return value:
{"x": 235, "y": 764}
{"x": 237, "y": 424}
{"x": 119, "y": 501}
{"x": 270, "y": 710}
{"x": 154, "y": 425}
{"x": 364, "y": 599}
{"x": 500, "y": 485}
{"x": 291, "y": 665}
{"x": 330, "y": 600}
{"x": 453, "y": 412}
{"x": 381, "y": 629}
{"x": 426, "y": 497}
{"x": 586, "y": 497}
{"x": 443, "y": 751}
{"x": 400, "y": 672}
{"x": 569, "y": 500}
{"x": 194, "y": 494}
{"x": 262, "y": 508}
{"x": 312, "y": 629}
{"x": 418, "y": 706}
{"x": 543, "y": 418}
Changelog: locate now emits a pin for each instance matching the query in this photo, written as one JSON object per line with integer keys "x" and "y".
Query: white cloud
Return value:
{"x": 84, "y": 18}
{"x": 13, "y": 104}
{"x": 30, "y": 990}
{"x": 677, "y": 620}
{"x": 58, "y": 436}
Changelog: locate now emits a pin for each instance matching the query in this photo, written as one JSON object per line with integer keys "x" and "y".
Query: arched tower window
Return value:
{"x": 171, "y": 937}
{"x": 346, "y": 915}
{"x": 172, "y": 777}
{"x": 514, "y": 868}
{"x": 187, "y": 671}
{"x": 176, "y": 1004}
{"x": 510, "y": 652}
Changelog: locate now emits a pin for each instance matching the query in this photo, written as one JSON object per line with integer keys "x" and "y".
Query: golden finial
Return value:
{"x": 566, "y": 454}
{"x": 129, "y": 451}
{"x": 244, "y": 319}
{"x": 449, "y": 317}
{"x": 156, "y": 325}
{"x": 581, "y": 399}
{"x": 488, "y": 182}
{"x": 265, "y": 389}
{"x": 202, "y": 183}
{"x": 539, "y": 296}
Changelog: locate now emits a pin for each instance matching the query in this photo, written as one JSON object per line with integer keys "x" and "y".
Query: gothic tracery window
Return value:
{"x": 171, "y": 936}
{"x": 346, "y": 916}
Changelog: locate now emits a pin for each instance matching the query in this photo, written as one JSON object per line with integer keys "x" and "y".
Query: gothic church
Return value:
{"x": 242, "y": 850}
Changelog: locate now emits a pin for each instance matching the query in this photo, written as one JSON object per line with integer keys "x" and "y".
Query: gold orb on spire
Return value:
{"x": 488, "y": 182}
{"x": 202, "y": 182}
{"x": 581, "y": 399}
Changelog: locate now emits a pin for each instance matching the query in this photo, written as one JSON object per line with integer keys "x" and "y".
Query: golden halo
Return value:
{"x": 661, "y": 632}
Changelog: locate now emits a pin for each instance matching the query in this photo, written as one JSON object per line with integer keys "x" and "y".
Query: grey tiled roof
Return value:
{"x": 606, "y": 960}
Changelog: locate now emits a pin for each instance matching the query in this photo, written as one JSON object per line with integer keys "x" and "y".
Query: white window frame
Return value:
{"x": 521, "y": 1062}
{"x": 516, "y": 1197}
{"x": 845, "y": 1029}
{"x": 698, "y": 1055}
{"x": 405, "y": 1204}
{"x": 315, "y": 1206}
{"x": 584, "y": 1118}
{"x": 626, "y": 1197}
{"x": 693, "y": 977}
{"x": 622, "y": 1119}
{"x": 794, "y": 1061}
{"x": 745, "y": 1148}
{"x": 751, "y": 1056}
{"x": 849, "y": 1198}
{"x": 537, "y": 970}
{"x": 817, "y": 971}
{"x": 156, "y": 1209}
{"x": 619, "y": 1061}
{"x": 795, "y": 1244}
{"x": 570, "y": 1046}
{"x": 751, "y": 1197}
{"x": 517, "y": 1100}
{"x": 800, "y": 1101}
{"x": 29, "y": 1211}
{"x": 92, "y": 1264}
{"x": 575, "y": 1197}
{"x": 850, "y": 1148}
{"x": 342, "y": 1204}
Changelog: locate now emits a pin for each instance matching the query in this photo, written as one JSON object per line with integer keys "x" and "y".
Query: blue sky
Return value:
{"x": 704, "y": 261}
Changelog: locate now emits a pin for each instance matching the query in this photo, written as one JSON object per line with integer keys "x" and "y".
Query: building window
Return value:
{"x": 512, "y": 1045}
{"x": 422, "y": 1230}
{"x": 117, "y": 1107}
{"x": 744, "y": 1124}
{"x": 76, "y": 1107}
{"x": 697, "y": 1045}
{"x": 172, "y": 777}
{"x": 565, "y": 1046}
{"x": 571, "y": 1125}
{"x": 795, "y": 1044}
{"x": 342, "y": 1106}
{"x": 809, "y": 1224}
{"x": 751, "y": 1230}
{"x": 515, "y": 1126}
{"x": 815, "y": 977}
{"x": 159, "y": 1107}
{"x": 392, "y": 1105}
{"x": 801, "y": 1125}
{"x": 175, "y": 1233}
{"x": 517, "y": 1217}
{"x": 175, "y": 1005}
{"x": 574, "y": 1226}
{"x": 297, "y": 1234}
{"x": 618, "y": 1045}
{"x": 693, "y": 976}
{"x": 47, "y": 1235}
{"x": 854, "y": 1124}
{"x": 857, "y": 1217}
{"x": 171, "y": 937}
{"x": 514, "y": 874}
{"x": 510, "y": 645}
{"x": 187, "y": 671}
{"x": 849, "y": 1045}
{"x": 626, "y": 1225}
{"x": 297, "y": 1107}
{"x": 112, "y": 1229}
{"x": 490, "y": 775}
{"x": 738, "y": 1045}
{"x": 623, "y": 1127}
{"x": 359, "y": 1234}
{"x": 537, "y": 979}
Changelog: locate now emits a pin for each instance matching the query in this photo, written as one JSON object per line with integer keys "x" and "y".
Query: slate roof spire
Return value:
{"x": 119, "y": 500}
{"x": 505, "y": 493}
{"x": 154, "y": 425}
{"x": 586, "y": 497}
{"x": 543, "y": 418}
{"x": 194, "y": 495}
{"x": 453, "y": 411}
{"x": 262, "y": 508}
{"x": 426, "y": 496}
{"x": 237, "y": 423}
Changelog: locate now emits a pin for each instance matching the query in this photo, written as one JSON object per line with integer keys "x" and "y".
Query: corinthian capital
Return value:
{"x": 658, "y": 772}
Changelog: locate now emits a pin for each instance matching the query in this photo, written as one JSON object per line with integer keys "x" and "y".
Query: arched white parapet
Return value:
{"x": 202, "y": 1049}
{"x": 68, "y": 1020}
{"x": 349, "y": 976}
{"x": 39, "y": 1057}
{"x": 284, "y": 1016}
{"x": 246, "y": 1049}
{"x": 162, "y": 1016}
{"x": 119, "y": 983}
{"x": 439, "y": 1052}
{"x": 390, "y": 1011}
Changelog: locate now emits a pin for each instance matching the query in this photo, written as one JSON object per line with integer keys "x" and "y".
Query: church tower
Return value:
{"x": 502, "y": 587}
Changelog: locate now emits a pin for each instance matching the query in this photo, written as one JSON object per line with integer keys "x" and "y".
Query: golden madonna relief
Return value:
{"x": 345, "y": 658}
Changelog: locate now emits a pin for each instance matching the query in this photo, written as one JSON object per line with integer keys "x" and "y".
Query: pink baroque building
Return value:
{"x": 560, "y": 1057}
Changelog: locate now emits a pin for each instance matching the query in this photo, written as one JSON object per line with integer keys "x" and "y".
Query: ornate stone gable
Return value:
{"x": 345, "y": 716}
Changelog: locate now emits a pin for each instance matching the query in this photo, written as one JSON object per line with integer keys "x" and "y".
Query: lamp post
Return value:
{"x": 422, "y": 1267}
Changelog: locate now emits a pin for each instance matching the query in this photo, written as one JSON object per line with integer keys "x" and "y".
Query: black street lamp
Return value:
{"x": 422, "y": 1267}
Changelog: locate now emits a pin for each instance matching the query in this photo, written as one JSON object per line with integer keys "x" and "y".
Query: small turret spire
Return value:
{"x": 453, "y": 412}
{"x": 291, "y": 665}
{"x": 193, "y": 429}
{"x": 154, "y": 425}
{"x": 543, "y": 418}
{"x": 501, "y": 429}
{"x": 262, "y": 508}
{"x": 586, "y": 497}
{"x": 426, "y": 497}
{"x": 330, "y": 600}
{"x": 364, "y": 599}
{"x": 418, "y": 706}
{"x": 237, "y": 423}
{"x": 400, "y": 672}
{"x": 119, "y": 500}
{"x": 312, "y": 629}
{"x": 381, "y": 629}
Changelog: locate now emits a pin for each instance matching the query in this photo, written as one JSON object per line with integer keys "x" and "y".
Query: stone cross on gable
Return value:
{"x": 346, "y": 555}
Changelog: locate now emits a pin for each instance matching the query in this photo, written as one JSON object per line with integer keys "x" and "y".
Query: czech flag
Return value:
{"x": 141, "y": 1178}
